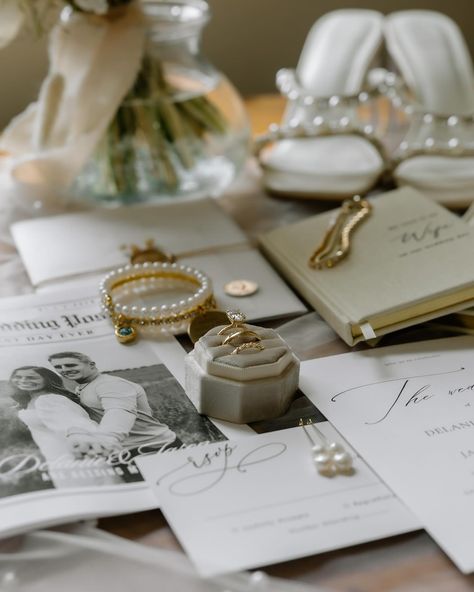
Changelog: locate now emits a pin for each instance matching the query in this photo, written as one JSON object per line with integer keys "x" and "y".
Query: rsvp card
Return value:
{"x": 260, "y": 500}
{"x": 409, "y": 411}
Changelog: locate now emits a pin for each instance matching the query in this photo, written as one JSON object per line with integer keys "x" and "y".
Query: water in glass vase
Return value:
{"x": 181, "y": 131}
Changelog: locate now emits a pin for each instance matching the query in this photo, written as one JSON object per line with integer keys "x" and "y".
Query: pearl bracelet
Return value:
{"x": 172, "y": 317}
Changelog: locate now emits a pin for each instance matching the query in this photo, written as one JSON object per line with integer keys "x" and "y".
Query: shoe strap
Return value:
{"x": 304, "y": 107}
{"x": 289, "y": 86}
{"x": 439, "y": 134}
{"x": 311, "y": 116}
{"x": 432, "y": 136}
{"x": 319, "y": 128}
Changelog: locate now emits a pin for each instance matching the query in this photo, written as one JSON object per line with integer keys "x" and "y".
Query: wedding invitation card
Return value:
{"x": 409, "y": 411}
{"x": 260, "y": 500}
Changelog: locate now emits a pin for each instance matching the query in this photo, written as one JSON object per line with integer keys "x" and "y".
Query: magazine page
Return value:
{"x": 77, "y": 408}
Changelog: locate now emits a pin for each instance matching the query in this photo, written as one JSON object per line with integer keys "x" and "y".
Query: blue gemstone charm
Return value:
{"x": 125, "y": 333}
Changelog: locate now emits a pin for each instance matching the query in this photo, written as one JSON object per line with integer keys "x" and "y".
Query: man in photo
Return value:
{"x": 119, "y": 407}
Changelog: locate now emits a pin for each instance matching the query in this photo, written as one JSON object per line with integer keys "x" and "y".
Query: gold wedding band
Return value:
{"x": 249, "y": 345}
{"x": 243, "y": 333}
{"x": 240, "y": 331}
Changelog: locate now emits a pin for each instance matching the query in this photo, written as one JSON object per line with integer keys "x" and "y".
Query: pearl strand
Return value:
{"x": 289, "y": 86}
{"x": 168, "y": 317}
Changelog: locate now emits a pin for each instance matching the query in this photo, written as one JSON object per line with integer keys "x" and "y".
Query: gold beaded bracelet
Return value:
{"x": 170, "y": 318}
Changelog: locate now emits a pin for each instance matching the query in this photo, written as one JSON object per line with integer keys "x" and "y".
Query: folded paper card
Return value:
{"x": 408, "y": 410}
{"x": 59, "y": 250}
{"x": 43, "y": 478}
{"x": 408, "y": 262}
{"x": 261, "y": 500}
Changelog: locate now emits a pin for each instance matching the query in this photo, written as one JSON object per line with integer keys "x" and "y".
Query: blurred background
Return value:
{"x": 249, "y": 40}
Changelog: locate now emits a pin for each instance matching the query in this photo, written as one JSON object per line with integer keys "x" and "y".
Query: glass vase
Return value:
{"x": 181, "y": 131}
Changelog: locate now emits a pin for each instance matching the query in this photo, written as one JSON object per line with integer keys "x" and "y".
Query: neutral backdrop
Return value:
{"x": 251, "y": 39}
{"x": 247, "y": 39}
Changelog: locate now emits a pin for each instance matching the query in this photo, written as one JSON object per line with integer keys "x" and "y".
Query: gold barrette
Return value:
{"x": 335, "y": 245}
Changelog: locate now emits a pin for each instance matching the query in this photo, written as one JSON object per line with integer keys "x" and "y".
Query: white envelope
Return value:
{"x": 79, "y": 248}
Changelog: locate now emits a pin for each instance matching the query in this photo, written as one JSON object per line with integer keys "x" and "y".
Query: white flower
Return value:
{"x": 11, "y": 19}
{"x": 96, "y": 6}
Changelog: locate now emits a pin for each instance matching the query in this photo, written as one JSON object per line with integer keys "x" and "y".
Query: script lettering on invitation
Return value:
{"x": 404, "y": 393}
{"x": 423, "y": 232}
{"x": 210, "y": 468}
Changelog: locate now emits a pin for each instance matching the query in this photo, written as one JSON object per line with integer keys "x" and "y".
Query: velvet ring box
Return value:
{"x": 241, "y": 387}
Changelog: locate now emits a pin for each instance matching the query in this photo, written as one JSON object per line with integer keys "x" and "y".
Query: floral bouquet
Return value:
{"x": 38, "y": 13}
{"x": 106, "y": 111}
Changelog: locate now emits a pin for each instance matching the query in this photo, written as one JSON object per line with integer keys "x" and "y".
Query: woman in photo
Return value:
{"x": 48, "y": 409}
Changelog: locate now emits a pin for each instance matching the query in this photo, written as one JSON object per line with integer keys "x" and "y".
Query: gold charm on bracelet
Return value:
{"x": 206, "y": 321}
{"x": 171, "y": 317}
{"x": 125, "y": 333}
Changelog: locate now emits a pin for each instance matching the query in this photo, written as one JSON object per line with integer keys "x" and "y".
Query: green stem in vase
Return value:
{"x": 203, "y": 111}
{"x": 150, "y": 120}
{"x": 125, "y": 154}
{"x": 154, "y": 142}
{"x": 176, "y": 131}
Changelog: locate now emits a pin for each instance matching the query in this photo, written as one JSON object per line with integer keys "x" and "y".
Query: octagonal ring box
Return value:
{"x": 248, "y": 386}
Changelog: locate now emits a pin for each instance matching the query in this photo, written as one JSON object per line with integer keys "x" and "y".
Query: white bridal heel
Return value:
{"x": 322, "y": 150}
{"x": 437, "y": 154}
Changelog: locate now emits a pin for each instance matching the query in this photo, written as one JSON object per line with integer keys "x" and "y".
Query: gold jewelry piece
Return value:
{"x": 335, "y": 245}
{"x": 330, "y": 458}
{"x": 241, "y": 288}
{"x": 150, "y": 253}
{"x": 203, "y": 323}
{"x": 249, "y": 345}
{"x": 236, "y": 318}
{"x": 250, "y": 336}
{"x": 240, "y": 331}
{"x": 168, "y": 317}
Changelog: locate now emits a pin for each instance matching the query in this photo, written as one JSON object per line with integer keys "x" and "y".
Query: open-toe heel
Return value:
{"x": 436, "y": 90}
{"x": 322, "y": 149}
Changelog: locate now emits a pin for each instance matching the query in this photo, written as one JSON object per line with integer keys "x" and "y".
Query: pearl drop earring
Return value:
{"x": 330, "y": 458}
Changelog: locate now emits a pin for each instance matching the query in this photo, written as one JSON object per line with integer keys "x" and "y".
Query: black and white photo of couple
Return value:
{"x": 76, "y": 415}
{"x": 105, "y": 413}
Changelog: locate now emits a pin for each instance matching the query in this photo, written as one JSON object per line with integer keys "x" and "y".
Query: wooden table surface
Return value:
{"x": 407, "y": 563}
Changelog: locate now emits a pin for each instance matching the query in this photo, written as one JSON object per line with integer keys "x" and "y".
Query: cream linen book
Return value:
{"x": 410, "y": 261}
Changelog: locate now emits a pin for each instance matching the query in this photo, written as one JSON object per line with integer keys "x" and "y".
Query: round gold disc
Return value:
{"x": 203, "y": 323}
{"x": 240, "y": 288}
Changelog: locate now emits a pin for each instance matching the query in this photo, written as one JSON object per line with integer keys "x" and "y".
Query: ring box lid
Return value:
{"x": 217, "y": 359}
